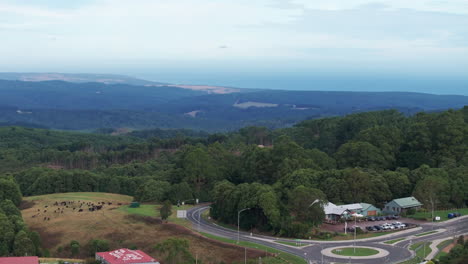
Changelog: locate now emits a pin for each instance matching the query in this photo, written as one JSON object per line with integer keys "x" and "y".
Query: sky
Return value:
{"x": 240, "y": 41}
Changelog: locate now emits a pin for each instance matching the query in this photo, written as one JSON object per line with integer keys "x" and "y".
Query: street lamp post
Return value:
{"x": 238, "y": 223}
{"x": 355, "y": 228}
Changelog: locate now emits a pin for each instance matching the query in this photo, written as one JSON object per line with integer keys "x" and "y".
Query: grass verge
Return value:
{"x": 394, "y": 240}
{"x": 426, "y": 233}
{"x": 286, "y": 256}
{"x": 441, "y": 246}
{"x": 298, "y": 244}
{"x": 354, "y": 252}
{"x": 422, "y": 249}
{"x": 443, "y": 214}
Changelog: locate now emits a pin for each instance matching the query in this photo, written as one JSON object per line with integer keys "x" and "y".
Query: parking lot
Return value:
{"x": 363, "y": 224}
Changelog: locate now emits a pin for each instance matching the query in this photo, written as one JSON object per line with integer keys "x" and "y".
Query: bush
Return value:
{"x": 97, "y": 245}
{"x": 411, "y": 211}
{"x": 74, "y": 248}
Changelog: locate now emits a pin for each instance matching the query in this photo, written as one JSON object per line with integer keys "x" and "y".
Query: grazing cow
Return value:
{"x": 119, "y": 204}
{"x": 45, "y": 211}
{"x": 81, "y": 210}
{"x": 46, "y": 206}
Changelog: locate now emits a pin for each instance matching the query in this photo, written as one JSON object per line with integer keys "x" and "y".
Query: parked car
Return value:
{"x": 371, "y": 218}
{"x": 378, "y": 228}
{"x": 398, "y": 225}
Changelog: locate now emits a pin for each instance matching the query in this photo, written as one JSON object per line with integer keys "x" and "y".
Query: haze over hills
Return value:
{"x": 80, "y": 105}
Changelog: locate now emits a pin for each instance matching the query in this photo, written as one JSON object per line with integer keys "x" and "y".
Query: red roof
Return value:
{"x": 19, "y": 260}
{"x": 126, "y": 256}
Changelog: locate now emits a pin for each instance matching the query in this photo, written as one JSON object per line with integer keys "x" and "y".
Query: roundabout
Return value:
{"x": 359, "y": 252}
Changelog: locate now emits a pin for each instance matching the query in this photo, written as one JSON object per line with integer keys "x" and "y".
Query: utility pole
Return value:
{"x": 238, "y": 223}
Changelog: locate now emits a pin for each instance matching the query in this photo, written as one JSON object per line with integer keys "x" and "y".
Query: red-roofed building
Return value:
{"x": 125, "y": 256}
{"x": 19, "y": 260}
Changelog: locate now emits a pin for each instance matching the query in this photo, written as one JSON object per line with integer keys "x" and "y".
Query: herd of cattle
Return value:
{"x": 74, "y": 206}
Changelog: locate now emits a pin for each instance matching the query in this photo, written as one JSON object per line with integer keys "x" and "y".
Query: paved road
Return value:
{"x": 311, "y": 249}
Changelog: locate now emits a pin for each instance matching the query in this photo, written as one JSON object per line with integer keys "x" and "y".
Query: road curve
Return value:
{"x": 311, "y": 249}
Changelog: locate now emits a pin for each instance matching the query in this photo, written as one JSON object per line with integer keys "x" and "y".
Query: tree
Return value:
{"x": 180, "y": 192}
{"x": 166, "y": 210}
{"x": 152, "y": 191}
{"x": 398, "y": 182}
{"x": 306, "y": 205}
{"x": 23, "y": 246}
{"x": 97, "y": 245}
{"x": 9, "y": 208}
{"x": 7, "y": 229}
{"x": 198, "y": 167}
{"x": 359, "y": 154}
{"x": 74, "y": 248}
{"x": 9, "y": 190}
{"x": 175, "y": 250}
{"x": 432, "y": 191}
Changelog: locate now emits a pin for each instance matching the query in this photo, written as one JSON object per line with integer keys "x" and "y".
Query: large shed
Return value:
{"x": 397, "y": 206}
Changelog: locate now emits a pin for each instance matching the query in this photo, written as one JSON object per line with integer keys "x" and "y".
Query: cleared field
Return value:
{"x": 115, "y": 224}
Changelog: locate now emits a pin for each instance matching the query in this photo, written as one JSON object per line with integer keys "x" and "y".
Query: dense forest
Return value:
{"x": 368, "y": 157}
{"x": 88, "y": 106}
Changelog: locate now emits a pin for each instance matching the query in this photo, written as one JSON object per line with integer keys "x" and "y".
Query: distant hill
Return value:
{"x": 111, "y": 79}
{"x": 90, "y": 106}
{"x": 76, "y": 78}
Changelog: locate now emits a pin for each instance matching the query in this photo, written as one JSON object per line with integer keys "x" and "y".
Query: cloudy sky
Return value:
{"x": 401, "y": 37}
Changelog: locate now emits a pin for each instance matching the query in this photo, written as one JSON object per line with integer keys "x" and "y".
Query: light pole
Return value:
{"x": 355, "y": 228}
{"x": 238, "y": 223}
{"x": 321, "y": 253}
{"x": 245, "y": 255}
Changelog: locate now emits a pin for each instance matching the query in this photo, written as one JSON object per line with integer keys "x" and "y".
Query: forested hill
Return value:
{"x": 368, "y": 157}
{"x": 91, "y": 106}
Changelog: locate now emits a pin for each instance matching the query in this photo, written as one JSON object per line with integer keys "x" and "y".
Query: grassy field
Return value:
{"x": 422, "y": 249}
{"x": 426, "y": 233}
{"x": 354, "y": 252}
{"x": 122, "y": 228}
{"x": 394, "y": 240}
{"x": 442, "y": 213}
{"x": 292, "y": 259}
{"x": 153, "y": 211}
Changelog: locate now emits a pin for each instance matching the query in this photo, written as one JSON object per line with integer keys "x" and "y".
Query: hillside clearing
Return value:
{"x": 116, "y": 225}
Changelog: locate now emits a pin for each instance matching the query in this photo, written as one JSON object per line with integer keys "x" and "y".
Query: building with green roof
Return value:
{"x": 397, "y": 206}
{"x": 369, "y": 210}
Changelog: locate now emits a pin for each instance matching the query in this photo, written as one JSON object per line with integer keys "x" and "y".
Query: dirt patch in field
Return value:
{"x": 26, "y": 204}
{"x": 120, "y": 229}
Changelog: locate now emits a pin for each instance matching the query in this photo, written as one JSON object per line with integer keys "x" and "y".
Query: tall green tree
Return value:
{"x": 23, "y": 246}
{"x": 166, "y": 210}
